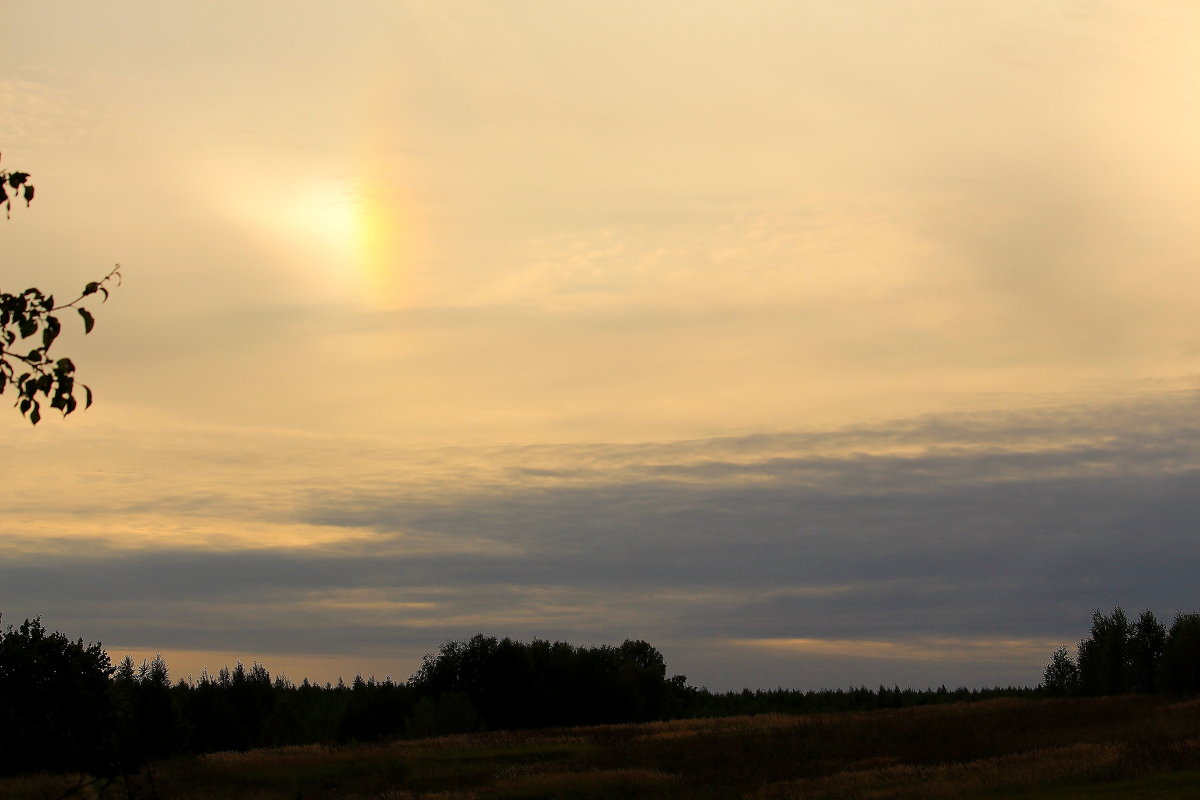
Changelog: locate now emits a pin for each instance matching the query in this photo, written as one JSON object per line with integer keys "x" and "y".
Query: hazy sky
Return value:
{"x": 816, "y": 343}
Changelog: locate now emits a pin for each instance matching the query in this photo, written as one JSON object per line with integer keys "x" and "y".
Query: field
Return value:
{"x": 1117, "y": 747}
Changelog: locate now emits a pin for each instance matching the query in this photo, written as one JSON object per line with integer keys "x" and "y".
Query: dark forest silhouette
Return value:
{"x": 1123, "y": 657}
{"x": 65, "y": 706}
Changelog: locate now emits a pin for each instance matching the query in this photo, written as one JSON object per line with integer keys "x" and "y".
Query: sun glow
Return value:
{"x": 356, "y": 232}
{"x": 385, "y": 237}
{"x": 364, "y": 230}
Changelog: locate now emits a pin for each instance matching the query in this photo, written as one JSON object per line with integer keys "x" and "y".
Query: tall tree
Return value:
{"x": 55, "y": 710}
{"x": 1104, "y": 662}
{"x": 1061, "y": 676}
{"x": 1147, "y": 639}
{"x": 1180, "y": 666}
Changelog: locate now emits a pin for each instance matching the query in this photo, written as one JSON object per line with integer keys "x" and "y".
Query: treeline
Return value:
{"x": 793, "y": 701}
{"x": 64, "y": 706}
{"x": 1123, "y": 657}
{"x": 510, "y": 684}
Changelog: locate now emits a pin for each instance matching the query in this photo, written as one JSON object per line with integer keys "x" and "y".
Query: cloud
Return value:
{"x": 938, "y": 650}
{"x": 676, "y": 257}
{"x": 953, "y": 529}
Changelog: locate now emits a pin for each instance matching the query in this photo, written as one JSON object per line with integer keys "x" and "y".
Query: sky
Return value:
{"x": 817, "y": 344}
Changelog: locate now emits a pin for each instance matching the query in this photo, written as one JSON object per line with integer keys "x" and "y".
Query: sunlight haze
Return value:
{"x": 815, "y": 343}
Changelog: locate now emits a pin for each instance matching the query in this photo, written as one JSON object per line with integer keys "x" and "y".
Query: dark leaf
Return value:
{"x": 28, "y": 193}
{"x": 89, "y": 321}
{"x": 35, "y": 416}
{"x": 90, "y": 288}
{"x": 28, "y": 327}
{"x": 88, "y": 392}
{"x": 15, "y": 179}
{"x": 50, "y": 332}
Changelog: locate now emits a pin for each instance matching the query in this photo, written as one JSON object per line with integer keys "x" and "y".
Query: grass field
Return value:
{"x": 1126, "y": 747}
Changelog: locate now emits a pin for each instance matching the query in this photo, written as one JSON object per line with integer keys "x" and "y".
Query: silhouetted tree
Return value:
{"x": 149, "y": 720}
{"x": 1179, "y": 669}
{"x": 511, "y": 684}
{"x": 1061, "y": 676}
{"x": 1104, "y": 657}
{"x": 1145, "y": 645}
{"x": 29, "y": 368}
{"x": 1119, "y": 656}
{"x": 55, "y": 707}
{"x": 375, "y": 710}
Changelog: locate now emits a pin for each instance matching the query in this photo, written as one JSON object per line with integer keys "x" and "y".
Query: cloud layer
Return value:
{"x": 816, "y": 343}
{"x": 953, "y": 542}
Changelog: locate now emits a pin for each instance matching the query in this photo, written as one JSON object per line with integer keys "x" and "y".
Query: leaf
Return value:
{"x": 89, "y": 321}
{"x": 28, "y": 193}
{"x": 36, "y": 415}
{"x": 87, "y": 390}
{"x": 15, "y": 179}
{"x": 50, "y": 332}
{"x": 28, "y": 327}
{"x": 90, "y": 288}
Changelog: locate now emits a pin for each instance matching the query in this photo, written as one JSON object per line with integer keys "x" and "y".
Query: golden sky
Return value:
{"x": 595, "y": 307}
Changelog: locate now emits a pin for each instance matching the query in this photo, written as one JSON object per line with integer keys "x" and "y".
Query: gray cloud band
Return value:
{"x": 950, "y": 541}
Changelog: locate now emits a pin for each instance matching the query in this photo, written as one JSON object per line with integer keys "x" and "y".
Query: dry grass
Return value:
{"x": 981, "y": 778}
{"x": 999, "y": 748}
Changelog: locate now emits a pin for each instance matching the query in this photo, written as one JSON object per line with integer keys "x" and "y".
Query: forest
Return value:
{"x": 64, "y": 706}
